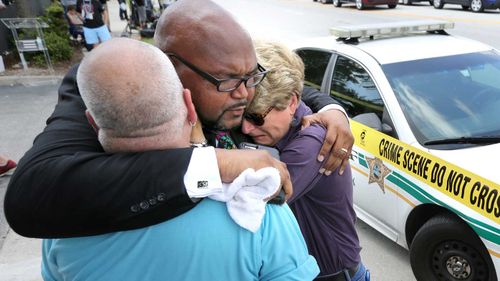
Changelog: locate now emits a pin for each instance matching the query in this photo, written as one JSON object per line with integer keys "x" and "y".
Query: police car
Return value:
{"x": 425, "y": 112}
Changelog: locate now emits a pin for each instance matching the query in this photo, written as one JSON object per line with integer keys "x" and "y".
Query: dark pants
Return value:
{"x": 123, "y": 14}
{"x": 358, "y": 273}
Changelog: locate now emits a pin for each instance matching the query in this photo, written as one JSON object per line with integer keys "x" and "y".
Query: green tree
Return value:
{"x": 56, "y": 35}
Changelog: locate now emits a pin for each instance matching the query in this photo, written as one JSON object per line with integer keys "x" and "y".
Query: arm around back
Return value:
{"x": 339, "y": 139}
{"x": 67, "y": 186}
{"x": 315, "y": 99}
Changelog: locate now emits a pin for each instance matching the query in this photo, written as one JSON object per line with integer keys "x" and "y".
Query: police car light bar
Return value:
{"x": 392, "y": 28}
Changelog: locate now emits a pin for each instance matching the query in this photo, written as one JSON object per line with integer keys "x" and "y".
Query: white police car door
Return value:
{"x": 353, "y": 87}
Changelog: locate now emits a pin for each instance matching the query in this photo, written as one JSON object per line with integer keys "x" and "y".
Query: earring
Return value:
{"x": 192, "y": 124}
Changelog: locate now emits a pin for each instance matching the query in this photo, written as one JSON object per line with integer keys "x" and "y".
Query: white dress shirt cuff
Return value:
{"x": 202, "y": 177}
{"x": 334, "y": 107}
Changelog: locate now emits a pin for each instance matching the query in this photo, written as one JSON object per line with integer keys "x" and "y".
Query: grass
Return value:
{"x": 148, "y": 40}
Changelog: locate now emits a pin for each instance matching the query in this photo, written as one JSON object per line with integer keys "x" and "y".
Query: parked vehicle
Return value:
{"x": 324, "y": 1}
{"x": 409, "y": 2}
{"x": 424, "y": 108}
{"x": 475, "y": 5}
{"x": 362, "y": 4}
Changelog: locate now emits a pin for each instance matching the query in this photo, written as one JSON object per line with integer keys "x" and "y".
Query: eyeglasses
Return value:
{"x": 256, "y": 118}
{"x": 229, "y": 84}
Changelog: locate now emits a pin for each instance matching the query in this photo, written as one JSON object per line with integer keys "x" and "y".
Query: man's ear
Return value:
{"x": 92, "y": 121}
{"x": 191, "y": 111}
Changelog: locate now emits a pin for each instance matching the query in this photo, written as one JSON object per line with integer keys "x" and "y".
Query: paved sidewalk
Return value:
{"x": 25, "y": 103}
{"x": 25, "y": 109}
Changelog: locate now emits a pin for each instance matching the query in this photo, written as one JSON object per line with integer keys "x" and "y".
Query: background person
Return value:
{"x": 94, "y": 29}
{"x": 137, "y": 111}
{"x": 322, "y": 205}
{"x": 66, "y": 3}
{"x": 5, "y": 3}
{"x": 75, "y": 22}
{"x": 123, "y": 10}
{"x": 105, "y": 14}
{"x": 67, "y": 159}
{"x": 141, "y": 12}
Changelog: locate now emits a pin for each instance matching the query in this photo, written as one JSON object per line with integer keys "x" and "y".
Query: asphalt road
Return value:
{"x": 23, "y": 111}
{"x": 290, "y": 20}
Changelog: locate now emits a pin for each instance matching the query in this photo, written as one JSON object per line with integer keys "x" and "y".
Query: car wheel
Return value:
{"x": 446, "y": 248}
{"x": 392, "y": 6}
{"x": 477, "y": 6}
{"x": 438, "y": 4}
{"x": 337, "y": 3}
{"x": 360, "y": 5}
{"x": 465, "y": 8}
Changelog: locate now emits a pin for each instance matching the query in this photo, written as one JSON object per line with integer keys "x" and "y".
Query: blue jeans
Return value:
{"x": 362, "y": 274}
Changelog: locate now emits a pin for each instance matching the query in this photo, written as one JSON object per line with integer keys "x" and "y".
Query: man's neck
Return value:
{"x": 160, "y": 139}
{"x": 140, "y": 144}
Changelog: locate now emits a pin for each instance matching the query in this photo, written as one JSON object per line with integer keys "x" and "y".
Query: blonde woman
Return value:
{"x": 322, "y": 204}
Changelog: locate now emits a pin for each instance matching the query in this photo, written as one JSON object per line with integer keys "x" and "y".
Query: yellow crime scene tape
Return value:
{"x": 472, "y": 190}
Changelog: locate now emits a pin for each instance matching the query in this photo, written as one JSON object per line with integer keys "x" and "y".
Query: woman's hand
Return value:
{"x": 338, "y": 142}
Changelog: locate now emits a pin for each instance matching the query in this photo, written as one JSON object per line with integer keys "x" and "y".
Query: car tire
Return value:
{"x": 360, "y": 5}
{"x": 477, "y": 6}
{"x": 438, "y": 4}
{"x": 337, "y": 3}
{"x": 392, "y": 6}
{"x": 446, "y": 248}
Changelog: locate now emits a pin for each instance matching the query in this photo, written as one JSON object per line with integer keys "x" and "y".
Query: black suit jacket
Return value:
{"x": 67, "y": 186}
{"x": 315, "y": 99}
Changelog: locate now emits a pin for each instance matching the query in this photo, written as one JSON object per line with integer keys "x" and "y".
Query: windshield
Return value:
{"x": 449, "y": 97}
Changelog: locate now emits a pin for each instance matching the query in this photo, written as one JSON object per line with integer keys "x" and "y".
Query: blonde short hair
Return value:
{"x": 284, "y": 79}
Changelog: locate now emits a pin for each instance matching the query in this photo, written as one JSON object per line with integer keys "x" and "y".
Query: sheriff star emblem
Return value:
{"x": 378, "y": 172}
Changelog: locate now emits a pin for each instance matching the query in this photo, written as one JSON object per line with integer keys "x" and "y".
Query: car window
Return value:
{"x": 315, "y": 63}
{"x": 354, "y": 88}
{"x": 449, "y": 97}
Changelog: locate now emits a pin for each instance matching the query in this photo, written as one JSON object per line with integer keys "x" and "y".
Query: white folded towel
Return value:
{"x": 245, "y": 196}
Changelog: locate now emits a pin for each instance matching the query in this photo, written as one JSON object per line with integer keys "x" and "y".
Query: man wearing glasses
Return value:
{"x": 67, "y": 186}
{"x": 218, "y": 130}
